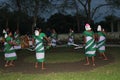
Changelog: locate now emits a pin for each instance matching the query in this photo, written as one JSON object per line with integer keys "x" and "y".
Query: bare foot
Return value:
{"x": 11, "y": 65}
{"x": 105, "y": 59}
{"x": 93, "y": 64}
{"x": 36, "y": 66}
{"x": 43, "y": 68}
{"x": 87, "y": 64}
{"x": 6, "y": 65}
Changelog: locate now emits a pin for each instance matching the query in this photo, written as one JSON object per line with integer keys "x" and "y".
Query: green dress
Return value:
{"x": 39, "y": 47}
{"x": 17, "y": 40}
{"x": 53, "y": 39}
{"x": 90, "y": 46}
{"x": 101, "y": 42}
{"x": 9, "y": 50}
{"x": 71, "y": 38}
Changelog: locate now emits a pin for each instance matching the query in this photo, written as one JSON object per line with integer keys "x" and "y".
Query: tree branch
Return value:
{"x": 81, "y": 3}
{"x": 94, "y": 11}
{"x": 86, "y": 2}
{"x": 84, "y": 6}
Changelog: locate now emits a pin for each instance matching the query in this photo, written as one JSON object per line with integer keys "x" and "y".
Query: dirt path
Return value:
{"x": 28, "y": 68}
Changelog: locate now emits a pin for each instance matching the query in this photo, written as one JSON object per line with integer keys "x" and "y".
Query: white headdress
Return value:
{"x": 4, "y": 31}
{"x": 99, "y": 28}
{"x": 36, "y": 33}
{"x": 87, "y": 27}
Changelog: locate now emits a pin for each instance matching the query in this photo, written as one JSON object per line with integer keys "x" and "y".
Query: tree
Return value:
{"x": 111, "y": 20}
{"x": 114, "y": 3}
{"x": 77, "y": 15}
{"x": 81, "y": 7}
{"x": 15, "y": 5}
{"x": 34, "y": 8}
{"x": 5, "y": 13}
{"x": 89, "y": 11}
{"x": 65, "y": 6}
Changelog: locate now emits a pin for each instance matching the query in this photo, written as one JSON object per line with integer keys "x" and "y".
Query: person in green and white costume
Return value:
{"x": 39, "y": 47}
{"x": 17, "y": 40}
{"x": 53, "y": 38}
{"x": 10, "y": 54}
{"x": 5, "y": 32}
{"x": 90, "y": 46}
{"x": 71, "y": 37}
{"x": 101, "y": 42}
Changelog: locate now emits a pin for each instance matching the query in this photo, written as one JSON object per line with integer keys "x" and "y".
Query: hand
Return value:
{"x": 49, "y": 44}
{"x": 14, "y": 43}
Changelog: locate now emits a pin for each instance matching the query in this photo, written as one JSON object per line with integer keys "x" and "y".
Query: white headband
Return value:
{"x": 36, "y": 33}
{"x": 99, "y": 28}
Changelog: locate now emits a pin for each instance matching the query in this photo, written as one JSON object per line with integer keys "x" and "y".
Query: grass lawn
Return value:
{"x": 60, "y": 55}
{"x": 107, "y": 72}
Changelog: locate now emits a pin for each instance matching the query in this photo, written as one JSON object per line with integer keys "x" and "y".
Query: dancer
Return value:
{"x": 101, "y": 42}
{"x": 39, "y": 47}
{"x": 90, "y": 47}
{"x": 53, "y": 38}
{"x": 71, "y": 37}
{"x": 10, "y": 54}
{"x": 17, "y": 40}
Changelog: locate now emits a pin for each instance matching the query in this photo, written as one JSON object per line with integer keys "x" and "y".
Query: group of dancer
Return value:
{"x": 54, "y": 38}
{"x": 93, "y": 42}
{"x": 10, "y": 44}
{"x": 13, "y": 43}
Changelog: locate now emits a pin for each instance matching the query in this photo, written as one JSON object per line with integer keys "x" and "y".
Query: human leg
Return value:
{"x": 87, "y": 61}
{"x": 36, "y": 65}
{"x": 105, "y": 58}
{"x": 43, "y": 67}
{"x": 93, "y": 60}
{"x": 11, "y": 63}
{"x": 6, "y": 64}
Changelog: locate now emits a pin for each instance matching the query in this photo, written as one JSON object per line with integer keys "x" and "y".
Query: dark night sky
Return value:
{"x": 104, "y": 11}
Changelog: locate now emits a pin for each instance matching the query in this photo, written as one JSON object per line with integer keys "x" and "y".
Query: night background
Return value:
{"x": 58, "y": 14}
{"x": 63, "y": 55}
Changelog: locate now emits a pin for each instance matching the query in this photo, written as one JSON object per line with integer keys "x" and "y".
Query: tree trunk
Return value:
{"x": 89, "y": 11}
{"x": 36, "y": 8}
{"x": 112, "y": 30}
{"x": 34, "y": 23}
{"x": 78, "y": 22}
{"x": 6, "y": 22}
{"x": 19, "y": 11}
{"x": 118, "y": 26}
{"x": 77, "y": 16}
{"x": 18, "y": 22}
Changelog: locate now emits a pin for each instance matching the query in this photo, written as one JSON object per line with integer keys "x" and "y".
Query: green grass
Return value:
{"x": 110, "y": 72}
{"x": 59, "y": 55}
{"x": 107, "y": 72}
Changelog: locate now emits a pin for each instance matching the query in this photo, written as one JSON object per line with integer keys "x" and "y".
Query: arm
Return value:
{"x": 12, "y": 43}
{"x": 33, "y": 40}
{"x": 95, "y": 36}
{"x": 84, "y": 39}
{"x": 98, "y": 37}
{"x": 46, "y": 38}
